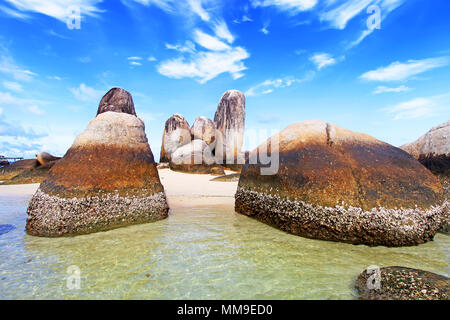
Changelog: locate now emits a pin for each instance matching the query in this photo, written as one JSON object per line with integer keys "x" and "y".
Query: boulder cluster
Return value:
{"x": 107, "y": 179}
{"x": 207, "y": 146}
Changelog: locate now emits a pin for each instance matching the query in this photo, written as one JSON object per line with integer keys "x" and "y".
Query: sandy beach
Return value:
{"x": 182, "y": 190}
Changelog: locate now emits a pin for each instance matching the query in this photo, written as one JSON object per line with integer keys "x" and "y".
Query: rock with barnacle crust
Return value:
{"x": 117, "y": 100}
{"x": 176, "y": 133}
{"x": 107, "y": 179}
{"x": 335, "y": 184}
{"x": 401, "y": 283}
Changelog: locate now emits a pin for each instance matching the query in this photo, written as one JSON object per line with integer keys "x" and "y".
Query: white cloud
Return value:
{"x": 134, "y": 58}
{"x": 188, "y": 46}
{"x": 209, "y": 42}
{"x": 13, "y": 102}
{"x": 265, "y": 27}
{"x": 270, "y": 85}
{"x": 196, "y": 7}
{"x": 205, "y": 66}
{"x": 398, "y": 71}
{"x": 87, "y": 94}
{"x": 85, "y": 59}
{"x": 383, "y": 89}
{"x": 56, "y": 8}
{"x": 323, "y": 60}
{"x": 152, "y": 58}
{"x": 35, "y": 110}
{"x": 420, "y": 107}
{"x": 13, "y": 13}
{"x": 8, "y": 66}
{"x": 221, "y": 30}
{"x": 339, "y": 16}
{"x": 135, "y": 63}
{"x": 287, "y": 5}
{"x": 13, "y": 86}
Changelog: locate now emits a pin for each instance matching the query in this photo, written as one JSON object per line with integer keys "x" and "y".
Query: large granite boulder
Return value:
{"x": 230, "y": 124}
{"x": 195, "y": 157}
{"x": 402, "y": 283}
{"x": 107, "y": 179}
{"x": 117, "y": 100}
{"x": 433, "y": 149}
{"x": 176, "y": 133}
{"x": 335, "y": 184}
{"x": 204, "y": 129}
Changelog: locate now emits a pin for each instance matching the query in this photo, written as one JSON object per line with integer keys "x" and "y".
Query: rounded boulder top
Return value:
{"x": 117, "y": 100}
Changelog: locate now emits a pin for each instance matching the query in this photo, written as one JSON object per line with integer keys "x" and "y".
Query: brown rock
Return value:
{"x": 230, "y": 124}
{"x": 335, "y": 184}
{"x": 176, "y": 134}
{"x": 107, "y": 179}
{"x": 17, "y": 168}
{"x": 31, "y": 175}
{"x": 401, "y": 283}
{"x": 204, "y": 129}
{"x": 433, "y": 149}
{"x": 216, "y": 171}
{"x": 117, "y": 100}
{"x": 45, "y": 157}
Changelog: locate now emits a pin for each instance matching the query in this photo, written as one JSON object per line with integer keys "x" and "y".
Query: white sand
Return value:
{"x": 182, "y": 189}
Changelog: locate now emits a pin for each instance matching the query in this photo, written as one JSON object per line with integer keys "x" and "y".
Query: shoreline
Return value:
{"x": 183, "y": 190}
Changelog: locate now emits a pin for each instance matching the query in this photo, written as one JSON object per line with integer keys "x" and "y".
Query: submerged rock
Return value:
{"x": 176, "y": 133}
{"x": 194, "y": 157}
{"x": 107, "y": 179}
{"x": 117, "y": 100}
{"x": 401, "y": 283}
{"x": 230, "y": 123}
{"x": 335, "y": 184}
{"x": 204, "y": 129}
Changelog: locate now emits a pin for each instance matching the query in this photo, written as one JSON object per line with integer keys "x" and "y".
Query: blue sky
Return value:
{"x": 295, "y": 60}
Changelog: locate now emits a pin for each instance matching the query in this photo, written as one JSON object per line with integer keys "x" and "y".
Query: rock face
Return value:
{"x": 117, "y": 100}
{"x": 230, "y": 124}
{"x": 204, "y": 129}
{"x": 335, "y": 184}
{"x": 401, "y": 283}
{"x": 107, "y": 179}
{"x": 194, "y": 157}
{"x": 32, "y": 175}
{"x": 433, "y": 149}
{"x": 177, "y": 133}
{"x": 45, "y": 157}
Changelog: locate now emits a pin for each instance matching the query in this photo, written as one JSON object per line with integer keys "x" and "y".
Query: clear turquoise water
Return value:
{"x": 201, "y": 253}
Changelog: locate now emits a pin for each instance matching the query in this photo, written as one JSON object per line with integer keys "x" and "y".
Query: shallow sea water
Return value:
{"x": 197, "y": 253}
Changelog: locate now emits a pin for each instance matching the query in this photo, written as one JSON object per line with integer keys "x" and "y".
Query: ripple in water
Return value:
{"x": 200, "y": 253}
{"x": 4, "y": 228}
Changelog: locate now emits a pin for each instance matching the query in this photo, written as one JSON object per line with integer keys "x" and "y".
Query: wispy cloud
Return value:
{"x": 268, "y": 86}
{"x": 134, "y": 58}
{"x": 14, "y": 13}
{"x": 86, "y": 93}
{"x": 383, "y": 89}
{"x": 292, "y": 6}
{"x": 340, "y": 15}
{"x": 398, "y": 71}
{"x": 420, "y": 107}
{"x": 323, "y": 60}
{"x": 8, "y": 66}
{"x": 28, "y": 105}
{"x": 209, "y": 42}
{"x": 221, "y": 30}
{"x": 188, "y": 46}
{"x": 265, "y": 27}
{"x": 57, "y": 9}
{"x": 13, "y": 86}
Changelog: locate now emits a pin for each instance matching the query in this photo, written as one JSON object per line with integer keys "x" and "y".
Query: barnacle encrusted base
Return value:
{"x": 52, "y": 216}
{"x": 378, "y": 226}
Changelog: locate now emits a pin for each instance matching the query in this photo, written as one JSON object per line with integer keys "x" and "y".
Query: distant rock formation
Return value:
{"x": 17, "y": 168}
{"x": 176, "y": 133}
{"x": 107, "y": 179}
{"x": 433, "y": 149}
{"x": 204, "y": 129}
{"x": 45, "y": 157}
{"x": 117, "y": 100}
{"x": 402, "y": 283}
{"x": 335, "y": 184}
{"x": 32, "y": 175}
{"x": 195, "y": 157}
{"x": 230, "y": 124}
